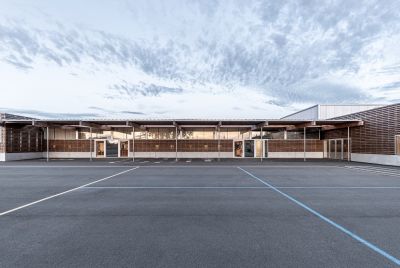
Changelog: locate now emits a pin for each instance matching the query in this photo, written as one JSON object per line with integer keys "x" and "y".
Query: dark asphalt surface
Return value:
{"x": 197, "y": 214}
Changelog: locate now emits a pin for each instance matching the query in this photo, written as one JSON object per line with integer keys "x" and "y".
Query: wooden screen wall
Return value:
{"x": 183, "y": 146}
{"x": 70, "y": 146}
{"x": 295, "y": 146}
{"x": 22, "y": 140}
{"x": 2, "y": 139}
{"x": 377, "y": 136}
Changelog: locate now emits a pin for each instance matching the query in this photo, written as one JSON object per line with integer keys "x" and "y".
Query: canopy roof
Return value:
{"x": 254, "y": 124}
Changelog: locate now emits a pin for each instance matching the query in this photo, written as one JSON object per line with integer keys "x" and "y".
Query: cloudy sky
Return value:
{"x": 195, "y": 58}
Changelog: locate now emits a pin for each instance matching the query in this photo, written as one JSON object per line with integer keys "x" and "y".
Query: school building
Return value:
{"x": 363, "y": 133}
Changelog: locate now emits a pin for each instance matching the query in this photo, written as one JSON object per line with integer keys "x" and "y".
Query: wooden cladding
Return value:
{"x": 21, "y": 140}
{"x": 377, "y": 136}
{"x": 70, "y": 146}
{"x": 295, "y": 146}
{"x": 2, "y": 139}
{"x": 183, "y": 146}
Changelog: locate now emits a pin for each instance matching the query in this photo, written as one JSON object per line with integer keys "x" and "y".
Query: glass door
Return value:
{"x": 238, "y": 146}
{"x": 100, "y": 149}
{"x": 123, "y": 148}
{"x": 259, "y": 148}
{"x": 339, "y": 150}
{"x": 249, "y": 148}
{"x": 332, "y": 149}
{"x": 112, "y": 148}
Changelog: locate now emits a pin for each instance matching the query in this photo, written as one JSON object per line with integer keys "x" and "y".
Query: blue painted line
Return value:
{"x": 322, "y": 217}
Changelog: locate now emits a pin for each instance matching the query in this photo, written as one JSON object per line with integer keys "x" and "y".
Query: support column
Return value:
{"x": 90, "y": 140}
{"x": 176, "y": 143}
{"x": 47, "y": 146}
{"x": 219, "y": 143}
{"x": 304, "y": 143}
{"x": 133, "y": 144}
{"x": 348, "y": 144}
{"x": 262, "y": 144}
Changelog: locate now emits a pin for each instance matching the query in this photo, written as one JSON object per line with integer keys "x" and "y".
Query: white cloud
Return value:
{"x": 197, "y": 58}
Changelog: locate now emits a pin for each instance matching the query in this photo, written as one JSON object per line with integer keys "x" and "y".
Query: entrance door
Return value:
{"x": 123, "y": 149}
{"x": 397, "y": 140}
{"x": 238, "y": 145}
{"x": 99, "y": 148}
{"x": 338, "y": 149}
{"x": 259, "y": 148}
{"x": 332, "y": 149}
{"x": 249, "y": 148}
{"x": 112, "y": 148}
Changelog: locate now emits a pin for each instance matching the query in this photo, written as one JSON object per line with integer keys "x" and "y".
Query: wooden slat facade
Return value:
{"x": 20, "y": 140}
{"x": 70, "y": 146}
{"x": 2, "y": 139}
{"x": 295, "y": 146}
{"x": 377, "y": 135}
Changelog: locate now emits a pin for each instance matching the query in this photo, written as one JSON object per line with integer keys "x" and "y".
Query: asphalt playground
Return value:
{"x": 198, "y": 213}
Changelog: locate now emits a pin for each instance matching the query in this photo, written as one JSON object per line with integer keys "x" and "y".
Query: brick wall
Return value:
{"x": 377, "y": 136}
{"x": 295, "y": 146}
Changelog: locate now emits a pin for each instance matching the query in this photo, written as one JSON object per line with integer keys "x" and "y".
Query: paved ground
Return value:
{"x": 160, "y": 213}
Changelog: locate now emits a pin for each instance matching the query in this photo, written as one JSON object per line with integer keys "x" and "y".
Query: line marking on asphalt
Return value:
{"x": 331, "y": 222}
{"x": 193, "y": 165}
{"x": 174, "y": 187}
{"x": 374, "y": 171}
{"x": 243, "y": 187}
{"x": 108, "y": 166}
{"x": 62, "y": 193}
{"x": 377, "y": 168}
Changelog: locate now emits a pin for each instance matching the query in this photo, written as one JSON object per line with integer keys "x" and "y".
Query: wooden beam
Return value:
{"x": 343, "y": 125}
{"x": 307, "y": 124}
{"x": 89, "y": 124}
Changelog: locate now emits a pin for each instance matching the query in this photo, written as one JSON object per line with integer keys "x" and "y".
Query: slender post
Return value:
{"x": 219, "y": 143}
{"x": 47, "y": 146}
{"x": 91, "y": 138}
{"x": 262, "y": 144}
{"x": 176, "y": 143}
{"x": 348, "y": 144}
{"x": 133, "y": 144}
{"x": 304, "y": 143}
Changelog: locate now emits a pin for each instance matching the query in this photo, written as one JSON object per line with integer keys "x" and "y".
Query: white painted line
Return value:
{"x": 105, "y": 166}
{"x": 231, "y": 166}
{"x": 62, "y": 193}
{"x": 337, "y": 187}
{"x": 391, "y": 170}
{"x": 175, "y": 187}
{"x": 374, "y": 171}
{"x": 329, "y": 221}
{"x": 243, "y": 187}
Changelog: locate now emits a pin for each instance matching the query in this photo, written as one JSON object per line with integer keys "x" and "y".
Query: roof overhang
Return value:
{"x": 251, "y": 124}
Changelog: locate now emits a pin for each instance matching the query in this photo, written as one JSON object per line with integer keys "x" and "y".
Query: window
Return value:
{"x": 397, "y": 144}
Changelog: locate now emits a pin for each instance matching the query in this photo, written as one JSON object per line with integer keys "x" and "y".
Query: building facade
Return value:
{"x": 371, "y": 135}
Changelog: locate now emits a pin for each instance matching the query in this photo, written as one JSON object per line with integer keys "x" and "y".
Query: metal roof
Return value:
{"x": 248, "y": 123}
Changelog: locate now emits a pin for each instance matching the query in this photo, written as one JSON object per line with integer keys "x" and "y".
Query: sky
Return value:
{"x": 195, "y": 58}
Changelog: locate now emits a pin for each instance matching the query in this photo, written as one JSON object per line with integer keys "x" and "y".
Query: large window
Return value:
{"x": 198, "y": 133}
{"x": 156, "y": 133}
